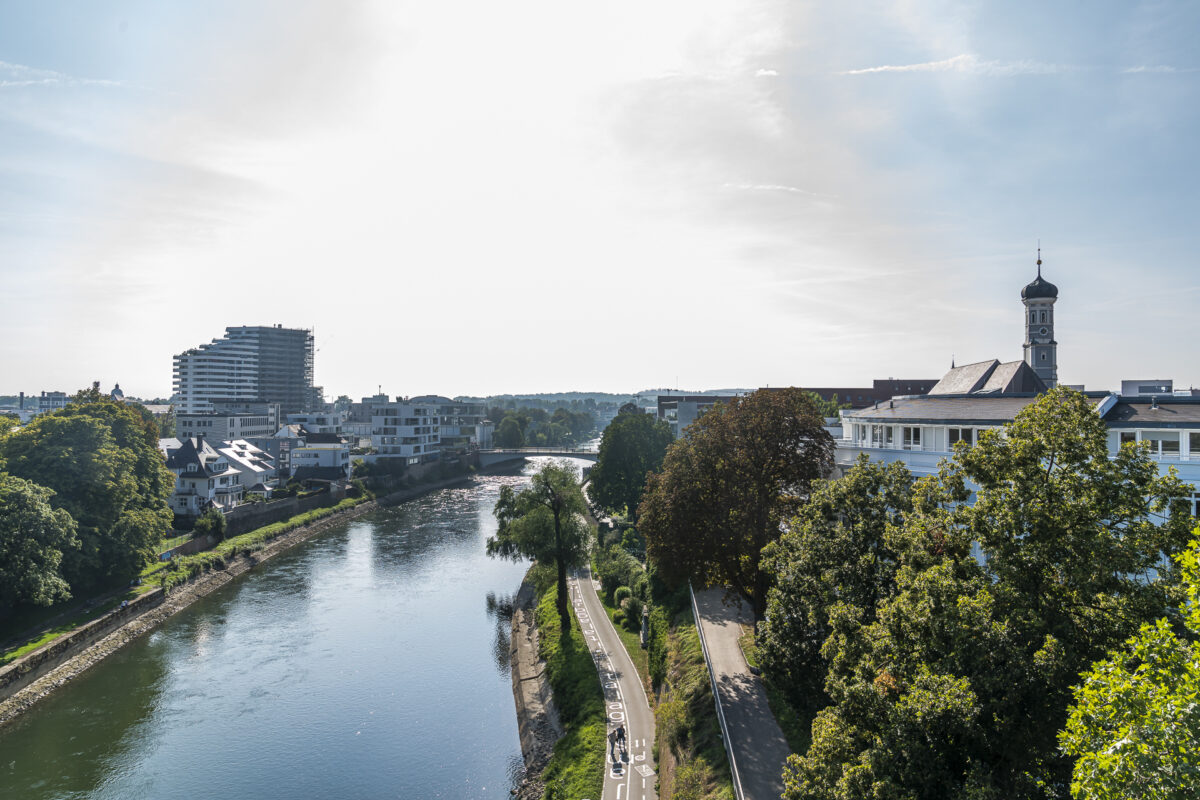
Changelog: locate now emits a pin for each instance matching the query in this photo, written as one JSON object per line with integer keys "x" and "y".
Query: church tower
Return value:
{"x": 1041, "y": 350}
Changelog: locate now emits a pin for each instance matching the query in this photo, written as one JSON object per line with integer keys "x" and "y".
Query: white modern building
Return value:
{"x": 405, "y": 429}
{"x": 319, "y": 421}
{"x": 320, "y": 456}
{"x": 229, "y": 422}
{"x": 250, "y": 364}
{"x": 921, "y": 431}
{"x": 458, "y": 421}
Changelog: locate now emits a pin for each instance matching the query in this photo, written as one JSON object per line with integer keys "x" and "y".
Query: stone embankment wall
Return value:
{"x": 537, "y": 718}
{"x": 25, "y": 670}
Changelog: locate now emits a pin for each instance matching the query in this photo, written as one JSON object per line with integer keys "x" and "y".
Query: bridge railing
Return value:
{"x": 541, "y": 450}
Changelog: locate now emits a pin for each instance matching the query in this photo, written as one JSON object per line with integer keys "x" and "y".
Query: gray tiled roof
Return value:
{"x": 1170, "y": 413}
{"x": 944, "y": 409}
{"x": 965, "y": 379}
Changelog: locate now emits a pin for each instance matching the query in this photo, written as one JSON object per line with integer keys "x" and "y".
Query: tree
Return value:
{"x": 508, "y": 433}
{"x": 211, "y": 523}
{"x": 545, "y": 522}
{"x": 33, "y": 537}
{"x": 830, "y": 407}
{"x": 956, "y": 685}
{"x": 101, "y": 458}
{"x": 1135, "y": 723}
{"x": 838, "y": 548}
{"x": 631, "y": 447}
{"x": 727, "y": 487}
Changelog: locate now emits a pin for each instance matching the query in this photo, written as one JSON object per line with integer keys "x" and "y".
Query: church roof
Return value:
{"x": 990, "y": 377}
{"x": 1039, "y": 286}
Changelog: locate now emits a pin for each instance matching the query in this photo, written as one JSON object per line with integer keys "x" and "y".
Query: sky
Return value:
{"x": 472, "y": 198}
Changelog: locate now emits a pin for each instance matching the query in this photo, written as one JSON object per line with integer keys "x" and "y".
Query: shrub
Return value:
{"x": 621, "y": 595}
{"x": 633, "y": 614}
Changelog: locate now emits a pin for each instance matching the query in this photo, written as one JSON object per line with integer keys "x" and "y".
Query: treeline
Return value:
{"x": 964, "y": 635}
{"x": 83, "y": 501}
{"x": 537, "y": 427}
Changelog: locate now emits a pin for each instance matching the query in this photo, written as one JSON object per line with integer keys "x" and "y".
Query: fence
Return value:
{"x": 737, "y": 779}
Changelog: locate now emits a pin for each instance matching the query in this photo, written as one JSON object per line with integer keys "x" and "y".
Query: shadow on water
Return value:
{"x": 92, "y": 736}
{"x": 500, "y": 609}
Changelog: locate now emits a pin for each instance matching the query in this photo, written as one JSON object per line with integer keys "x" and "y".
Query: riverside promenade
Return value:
{"x": 755, "y": 741}
{"x": 628, "y": 775}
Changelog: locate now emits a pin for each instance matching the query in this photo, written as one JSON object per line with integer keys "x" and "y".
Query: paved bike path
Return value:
{"x": 758, "y": 745}
{"x": 630, "y": 775}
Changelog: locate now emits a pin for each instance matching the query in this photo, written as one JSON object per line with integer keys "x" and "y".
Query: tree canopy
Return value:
{"x": 102, "y": 461}
{"x": 1135, "y": 723}
{"x": 631, "y": 447}
{"x": 545, "y": 522}
{"x": 729, "y": 484}
{"x": 957, "y": 682}
{"x": 33, "y": 537}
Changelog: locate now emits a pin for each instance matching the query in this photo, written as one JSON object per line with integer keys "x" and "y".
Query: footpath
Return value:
{"x": 758, "y": 746}
{"x": 629, "y": 771}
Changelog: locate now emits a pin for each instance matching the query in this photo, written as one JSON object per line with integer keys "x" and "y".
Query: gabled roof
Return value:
{"x": 989, "y": 377}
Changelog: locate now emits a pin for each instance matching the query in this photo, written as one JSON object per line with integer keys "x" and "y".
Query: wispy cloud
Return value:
{"x": 969, "y": 64}
{"x": 1164, "y": 69}
{"x": 766, "y": 73}
{"x": 18, "y": 75}
{"x": 771, "y": 187}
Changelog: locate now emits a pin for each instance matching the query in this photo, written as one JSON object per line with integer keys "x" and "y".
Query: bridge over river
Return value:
{"x": 489, "y": 458}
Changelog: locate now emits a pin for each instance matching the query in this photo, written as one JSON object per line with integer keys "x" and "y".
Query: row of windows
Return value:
{"x": 1038, "y": 316}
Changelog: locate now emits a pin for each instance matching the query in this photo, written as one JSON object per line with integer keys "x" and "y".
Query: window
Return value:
{"x": 912, "y": 438}
{"x": 1163, "y": 444}
{"x": 1043, "y": 316}
{"x": 957, "y": 435}
{"x": 1043, "y": 356}
{"x": 1128, "y": 437}
{"x": 1194, "y": 443}
{"x": 1032, "y": 317}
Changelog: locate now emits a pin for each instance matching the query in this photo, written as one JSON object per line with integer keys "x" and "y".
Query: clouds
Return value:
{"x": 812, "y": 193}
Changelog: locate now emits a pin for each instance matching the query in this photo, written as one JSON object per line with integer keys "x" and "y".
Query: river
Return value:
{"x": 364, "y": 663}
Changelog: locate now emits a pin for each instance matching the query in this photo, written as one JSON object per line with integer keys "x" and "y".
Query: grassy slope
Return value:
{"x": 576, "y": 770}
{"x": 687, "y": 719}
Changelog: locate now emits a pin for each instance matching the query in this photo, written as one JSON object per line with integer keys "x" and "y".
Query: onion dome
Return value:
{"x": 1039, "y": 287}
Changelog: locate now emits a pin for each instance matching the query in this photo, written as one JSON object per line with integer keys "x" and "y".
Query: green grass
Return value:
{"x": 633, "y": 646}
{"x": 49, "y": 635}
{"x": 174, "y": 541}
{"x": 576, "y": 769}
{"x": 184, "y": 568}
{"x": 686, "y": 719}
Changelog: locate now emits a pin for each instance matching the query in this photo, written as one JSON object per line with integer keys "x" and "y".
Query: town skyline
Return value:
{"x": 529, "y": 199}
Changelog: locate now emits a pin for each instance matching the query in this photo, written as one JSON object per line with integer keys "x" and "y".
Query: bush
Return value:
{"x": 621, "y": 595}
{"x": 211, "y": 523}
{"x": 633, "y": 614}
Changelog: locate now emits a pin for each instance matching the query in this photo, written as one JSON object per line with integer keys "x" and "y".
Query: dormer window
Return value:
{"x": 191, "y": 467}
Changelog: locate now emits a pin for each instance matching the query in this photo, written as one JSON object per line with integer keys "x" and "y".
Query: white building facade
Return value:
{"x": 405, "y": 430}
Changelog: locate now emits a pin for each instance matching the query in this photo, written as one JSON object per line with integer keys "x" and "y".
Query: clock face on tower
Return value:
{"x": 1043, "y": 330}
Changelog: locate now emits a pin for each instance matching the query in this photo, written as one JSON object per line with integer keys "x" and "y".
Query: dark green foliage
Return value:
{"x": 827, "y": 408}
{"x": 956, "y": 683}
{"x": 727, "y": 487}
{"x": 839, "y": 548}
{"x": 211, "y": 523}
{"x": 632, "y": 446}
{"x": 101, "y": 458}
{"x": 1135, "y": 725}
{"x": 33, "y": 536}
{"x": 656, "y": 645}
{"x": 615, "y": 568}
{"x": 509, "y": 434}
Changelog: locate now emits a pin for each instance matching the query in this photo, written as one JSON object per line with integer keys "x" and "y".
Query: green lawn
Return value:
{"x": 50, "y": 634}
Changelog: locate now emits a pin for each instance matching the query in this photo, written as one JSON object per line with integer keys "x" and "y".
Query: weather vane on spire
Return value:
{"x": 1039, "y": 261}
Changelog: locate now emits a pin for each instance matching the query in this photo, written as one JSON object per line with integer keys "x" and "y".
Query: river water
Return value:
{"x": 364, "y": 663}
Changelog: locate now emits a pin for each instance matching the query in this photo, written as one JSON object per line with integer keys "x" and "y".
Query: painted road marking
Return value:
{"x": 645, "y": 771}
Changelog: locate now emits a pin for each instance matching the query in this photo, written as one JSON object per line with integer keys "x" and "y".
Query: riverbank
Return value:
{"x": 155, "y": 607}
{"x": 537, "y": 717}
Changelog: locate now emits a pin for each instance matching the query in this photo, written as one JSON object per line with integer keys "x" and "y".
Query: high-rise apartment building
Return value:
{"x": 249, "y": 365}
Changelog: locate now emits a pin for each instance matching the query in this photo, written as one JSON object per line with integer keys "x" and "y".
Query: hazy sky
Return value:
{"x": 484, "y": 197}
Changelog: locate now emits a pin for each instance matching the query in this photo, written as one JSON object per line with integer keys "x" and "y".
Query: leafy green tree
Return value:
{"x": 838, "y": 548}
{"x": 508, "y": 433}
{"x": 33, "y": 537}
{"x": 631, "y": 447}
{"x": 727, "y": 487}
{"x": 545, "y": 522}
{"x": 830, "y": 407}
{"x": 1135, "y": 723}
{"x": 101, "y": 458}
{"x": 957, "y": 684}
{"x": 211, "y": 523}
